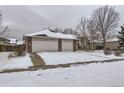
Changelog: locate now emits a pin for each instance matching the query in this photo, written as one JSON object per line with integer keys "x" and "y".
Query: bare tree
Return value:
{"x": 92, "y": 32}
{"x": 58, "y": 30}
{"x": 75, "y": 32}
{"x": 5, "y": 28}
{"x": 107, "y": 20}
{"x": 68, "y": 31}
{"x": 1, "y": 18}
{"x": 1, "y": 22}
{"x": 82, "y": 28}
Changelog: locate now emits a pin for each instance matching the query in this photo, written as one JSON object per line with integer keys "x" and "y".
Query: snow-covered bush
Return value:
{"x": 122, "y": 49}
{"x": 117, "y": 52}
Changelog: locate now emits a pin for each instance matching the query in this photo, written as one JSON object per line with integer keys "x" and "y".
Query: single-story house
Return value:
{"x": 3, "y": 44}
{"x": 111, "y": 44}
{"x": 49, "y": 41}
{"x": 9, "y": 44}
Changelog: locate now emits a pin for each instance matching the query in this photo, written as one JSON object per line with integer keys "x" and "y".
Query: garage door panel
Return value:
{"x": 39, "y": 45}
{"x": 67, "y": 45}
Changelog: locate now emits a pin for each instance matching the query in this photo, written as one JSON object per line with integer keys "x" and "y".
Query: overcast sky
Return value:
{"x": 27, "y": 19}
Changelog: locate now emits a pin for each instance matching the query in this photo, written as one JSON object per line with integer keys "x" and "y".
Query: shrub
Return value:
{"x": 11, "y": 55}
{"x": 117, "y": 52}
{"x": 122, "y": 49}
{"x": 19, "y": 52}
{"x": 107, "y": 52}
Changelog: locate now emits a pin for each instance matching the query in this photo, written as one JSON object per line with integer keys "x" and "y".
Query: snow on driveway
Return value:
{"x": 12, "y": 63}
{"x": 53, "y": 58}
{"x": 91, "y": 75}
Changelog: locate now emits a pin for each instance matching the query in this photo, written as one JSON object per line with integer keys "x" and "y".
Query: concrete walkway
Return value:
{"x": 37, "y": 60}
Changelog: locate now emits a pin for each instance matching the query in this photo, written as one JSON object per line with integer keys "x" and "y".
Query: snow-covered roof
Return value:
{"x": 109, "y": 40}
{"x": 51, "y": 34}
{"x": 20, "y": 42}
{"x": 3, "y": 39}
{"x": 8, "y": 40}
{"x": 12, "y": 41}
{"x": 112, "y": 40}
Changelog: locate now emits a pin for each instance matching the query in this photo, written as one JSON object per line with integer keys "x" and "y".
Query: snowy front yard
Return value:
{"x": 96, "y": 74}
{"x": 12, "y": 63}
{"x": 54, "y": 58}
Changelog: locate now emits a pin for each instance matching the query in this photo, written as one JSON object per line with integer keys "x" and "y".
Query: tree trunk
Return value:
{"x": 92, "y": 46}
{"x": 81, "y": 43}
{"x": 104, "y": 42}
{"x": 86, "y": 44}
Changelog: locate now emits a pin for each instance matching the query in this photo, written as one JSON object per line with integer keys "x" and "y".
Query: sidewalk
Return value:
{"x": 34, "y": 68}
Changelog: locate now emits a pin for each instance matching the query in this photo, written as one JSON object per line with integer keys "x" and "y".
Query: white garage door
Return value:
{"x": 67, "y": 45}
{"x": 44, "y": 45}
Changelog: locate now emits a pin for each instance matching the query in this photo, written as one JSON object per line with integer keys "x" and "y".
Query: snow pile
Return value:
{"x": 91, "y": 75}
{"x": 53, "y": 58}
{"x": 52, "y": 34}
{"x": 12, "y": 63}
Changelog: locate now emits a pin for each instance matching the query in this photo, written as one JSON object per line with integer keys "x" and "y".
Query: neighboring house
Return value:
{"x": 9, "y": 44}
{"x": 49, "y": 41}
{"x": 20, "y": 45}
{"x": 12, "y": 41}
{"x": 111, "y": 44}
{"x": 3, "y": 43}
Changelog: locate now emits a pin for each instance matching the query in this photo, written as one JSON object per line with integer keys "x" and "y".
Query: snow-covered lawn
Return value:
{"x": 53, "y": 58}
{"x": 11, "y": 63}
{"x": 96, "y": 74}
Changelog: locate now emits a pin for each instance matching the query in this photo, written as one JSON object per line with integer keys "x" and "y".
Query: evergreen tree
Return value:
{"x": 121, "y": 37}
